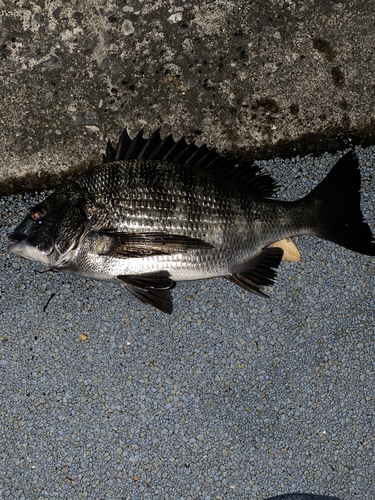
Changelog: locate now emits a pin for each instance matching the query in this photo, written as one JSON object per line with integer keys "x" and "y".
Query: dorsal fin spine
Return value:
{"x": 156, "y": 148}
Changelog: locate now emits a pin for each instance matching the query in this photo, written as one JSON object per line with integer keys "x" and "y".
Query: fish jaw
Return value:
{"x": 24, "y": 249}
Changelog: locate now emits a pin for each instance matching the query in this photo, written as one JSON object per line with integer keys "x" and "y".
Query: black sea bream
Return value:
{"x": 157, "y": 212}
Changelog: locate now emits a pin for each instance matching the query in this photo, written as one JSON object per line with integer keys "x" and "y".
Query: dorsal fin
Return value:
{"x": 156, "y": 148}
{"x": 110, "y": 153}
{"x": 123, "y": 145}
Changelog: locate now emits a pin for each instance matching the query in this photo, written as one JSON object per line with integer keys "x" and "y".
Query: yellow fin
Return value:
{"x": 291, "y": 253}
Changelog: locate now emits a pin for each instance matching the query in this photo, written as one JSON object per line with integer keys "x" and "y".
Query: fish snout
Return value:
{"x": 16, "y": 237}
{"x": 18, "y": 241}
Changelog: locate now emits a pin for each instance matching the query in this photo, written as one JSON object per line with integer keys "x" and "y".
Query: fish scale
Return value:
{"x": 192, "y": 208}
{"x": 148, "y": 223}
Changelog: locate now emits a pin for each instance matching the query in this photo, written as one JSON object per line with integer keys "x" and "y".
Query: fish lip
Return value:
{"x": 17, "y": 245}
{"x": 16, "y": 237}
{"x": 11, "y": 248}
{"x": 22, "y": 248}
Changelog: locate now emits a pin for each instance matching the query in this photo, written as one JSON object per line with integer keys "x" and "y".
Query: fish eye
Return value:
{"x": 38, "y": 215}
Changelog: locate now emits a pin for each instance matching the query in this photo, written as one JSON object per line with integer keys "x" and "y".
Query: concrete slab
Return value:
{"x": 253, "y": 78}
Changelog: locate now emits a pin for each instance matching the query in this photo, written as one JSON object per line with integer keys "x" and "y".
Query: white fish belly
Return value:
{"x": 181, "y": 267}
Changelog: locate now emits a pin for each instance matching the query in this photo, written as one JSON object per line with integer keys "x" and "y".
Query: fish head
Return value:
{"x": 51, "y": 232}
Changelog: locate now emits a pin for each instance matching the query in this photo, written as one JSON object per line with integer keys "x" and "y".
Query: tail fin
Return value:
{"x": 339, "y": 214}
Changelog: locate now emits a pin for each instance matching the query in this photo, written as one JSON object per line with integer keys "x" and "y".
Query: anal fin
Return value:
{"x": 261, "y": 273}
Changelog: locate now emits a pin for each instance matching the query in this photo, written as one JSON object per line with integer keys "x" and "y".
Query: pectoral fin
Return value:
{"x": 261, "y": 273}
{"x": 152, "y": 288}
{"x": 127, "y": 245}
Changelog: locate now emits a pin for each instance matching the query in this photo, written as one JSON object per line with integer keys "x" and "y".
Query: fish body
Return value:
{"x": 158, "y": 212}
{"x": 234, "y": 226}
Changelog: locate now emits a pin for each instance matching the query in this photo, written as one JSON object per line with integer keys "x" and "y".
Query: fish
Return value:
{"x": 158, "y": 211}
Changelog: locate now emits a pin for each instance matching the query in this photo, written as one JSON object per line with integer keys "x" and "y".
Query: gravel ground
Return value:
{"x": 230, "y": 397}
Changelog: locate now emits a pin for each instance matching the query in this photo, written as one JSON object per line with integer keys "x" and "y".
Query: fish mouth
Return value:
{"x": 18, "y": 242}
{"x": 16, "y": 239}
{"x": 22, "y": 247}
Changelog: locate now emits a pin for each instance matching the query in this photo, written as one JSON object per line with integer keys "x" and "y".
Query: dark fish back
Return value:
{"x": 149, "y": 194}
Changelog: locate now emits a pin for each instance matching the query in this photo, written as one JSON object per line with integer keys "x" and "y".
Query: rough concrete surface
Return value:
{"x": 257, "y": 78}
